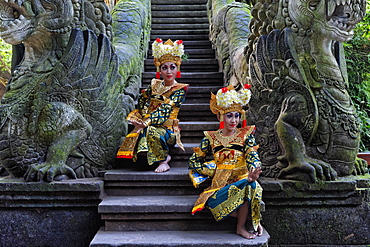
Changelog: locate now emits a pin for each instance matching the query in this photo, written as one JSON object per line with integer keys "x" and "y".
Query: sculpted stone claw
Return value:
{"x": 361, "y": 167}
{"x": 49, "y": 172}
{"x": 309, "y": 170}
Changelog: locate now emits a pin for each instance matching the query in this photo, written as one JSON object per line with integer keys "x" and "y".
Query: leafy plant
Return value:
{"x": 5, "y": 57}
{"x": 358, "y": 63}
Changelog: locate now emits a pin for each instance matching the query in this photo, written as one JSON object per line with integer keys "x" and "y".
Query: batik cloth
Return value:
{"x": 233, "y": 156}
{"x": 158, "y": 107}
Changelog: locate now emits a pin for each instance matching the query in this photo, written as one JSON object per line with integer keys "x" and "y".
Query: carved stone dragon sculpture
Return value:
{"x": 63, "y": 112}
{"x": 307, "y": 126}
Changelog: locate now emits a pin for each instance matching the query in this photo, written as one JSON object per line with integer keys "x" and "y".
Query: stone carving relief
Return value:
{"x": 63, "y": 112}
{"x": 307, "y": 126}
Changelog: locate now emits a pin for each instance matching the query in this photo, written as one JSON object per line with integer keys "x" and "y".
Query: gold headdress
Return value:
{"x": 228, "y": 99}
{"x": 167, "y": 52}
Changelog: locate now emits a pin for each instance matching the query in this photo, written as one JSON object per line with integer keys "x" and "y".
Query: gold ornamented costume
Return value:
{"x": 233, "y": 157}
{"x": 158, "y": 107}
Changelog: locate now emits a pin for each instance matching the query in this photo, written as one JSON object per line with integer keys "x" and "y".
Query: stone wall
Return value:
{"x": 328, "y": 213}
{"x": 49, "y": 214}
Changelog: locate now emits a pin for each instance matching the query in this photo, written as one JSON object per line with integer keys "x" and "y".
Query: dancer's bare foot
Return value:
{"x": 163, "y": 166}
{"x": 259, "y": 231}
{"x": 242, "y": 231}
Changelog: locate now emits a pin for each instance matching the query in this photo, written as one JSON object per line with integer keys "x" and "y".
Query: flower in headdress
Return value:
{"x": 245, "y": 94}
{"x": 227, "y": 97}
{"x": 168, "y": 48}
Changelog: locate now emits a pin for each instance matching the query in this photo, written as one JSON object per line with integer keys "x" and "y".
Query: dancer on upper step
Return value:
{"x": 235, "y": 166}
{"x": 155, "y": 120}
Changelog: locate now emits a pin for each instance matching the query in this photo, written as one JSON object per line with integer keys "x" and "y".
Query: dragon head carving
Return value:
{"x": 44, "y": 26}
{"x": 335, "y": 18}
{"x": 34, "y": 22}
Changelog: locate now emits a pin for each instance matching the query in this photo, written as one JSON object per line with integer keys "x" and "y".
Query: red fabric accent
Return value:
{"x": 178, "y": 75}
{"x": 244, "y": 123}
{"x": 197, "y": 210}
{"x": 124, "y": 157}
{"x": 222, "y": 125}
{"x": 157, "y": 75}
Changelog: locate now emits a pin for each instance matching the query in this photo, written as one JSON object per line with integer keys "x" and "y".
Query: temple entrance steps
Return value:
{"x": 143, "y": 208}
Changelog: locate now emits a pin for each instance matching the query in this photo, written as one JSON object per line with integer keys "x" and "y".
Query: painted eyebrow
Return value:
{"x": 230, "y": 115}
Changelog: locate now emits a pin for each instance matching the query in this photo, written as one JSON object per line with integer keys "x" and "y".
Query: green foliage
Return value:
{"x": 358, "y": 62}
{"x": 5, "y": 55}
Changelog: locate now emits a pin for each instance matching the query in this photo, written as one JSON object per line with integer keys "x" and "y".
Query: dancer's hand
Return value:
{"x": 139, "y": 125}
{"x": 254, "y": 173}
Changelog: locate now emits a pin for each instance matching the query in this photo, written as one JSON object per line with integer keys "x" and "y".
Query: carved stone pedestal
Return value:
{"x": 49, "y": 214}
{"x": 324, "y": 214}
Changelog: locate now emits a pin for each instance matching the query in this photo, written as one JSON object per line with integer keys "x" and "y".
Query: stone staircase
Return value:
{"x": 142, "y": 208}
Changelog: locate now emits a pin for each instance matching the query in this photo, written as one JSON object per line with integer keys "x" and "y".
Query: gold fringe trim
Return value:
{"x": 132, "y": 135}
{"x": 197, "y": 208}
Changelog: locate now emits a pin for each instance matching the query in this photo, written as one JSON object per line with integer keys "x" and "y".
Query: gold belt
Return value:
{"x": 225, "y": 166}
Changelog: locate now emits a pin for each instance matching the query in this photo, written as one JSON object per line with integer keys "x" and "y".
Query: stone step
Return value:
{"x": 192, "y": 132}
{"x": 181, "y": 26}
{"x": 136, "y": 181}
{"x": 179, "y": 13}
{"x": 182, "y": 32}
{"x": 166, "y": 2}
{"x": 158, "y": 213}
{"x": 189, "y": 20}
{"x": 176, "y": 239}
{"x": 195, "y": 107}
{"x": 198, "y": 126}
{"x": 201, "y": 37}
{"x": 151, "y": 205}
{"x": 178, "y": 7}
{"x": 196, "y": 111}
{"x": 200, "y": 94}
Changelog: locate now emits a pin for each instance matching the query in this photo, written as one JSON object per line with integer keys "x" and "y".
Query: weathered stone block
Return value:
{"x": 327, "y": 213}
{"x": 49, "y": 214}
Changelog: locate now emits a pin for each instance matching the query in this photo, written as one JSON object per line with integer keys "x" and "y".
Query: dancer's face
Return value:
{"x": 168, "y": 72}
{"x": 231, "y": 120}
